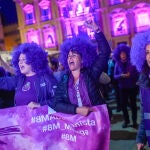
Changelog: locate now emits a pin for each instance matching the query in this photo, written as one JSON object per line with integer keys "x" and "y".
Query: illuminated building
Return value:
{"x": 49, "y": 22}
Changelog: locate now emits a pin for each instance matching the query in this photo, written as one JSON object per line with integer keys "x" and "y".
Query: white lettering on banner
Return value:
{"x": 82, "y": 132}
{"x": 68, "y": 126}
{"x": 85, "y": 123}
{"x": 51, "y": 127}
{"x": 68, "y": 137}
{"x": 44, "y": 118}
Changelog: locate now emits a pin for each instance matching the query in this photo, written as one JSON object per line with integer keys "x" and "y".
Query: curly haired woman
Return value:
{"x": 126, "y": 75}
{"x": 79, "y": 89}
{"x": 33, "y": 83}
{"x": 140, "y": 57}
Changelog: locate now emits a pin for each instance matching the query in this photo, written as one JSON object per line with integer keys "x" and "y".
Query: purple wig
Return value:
{"x": 81, "y": 45}
{"x": 121, "y": 48}
{"x": 138, "y": 54}
{"x": 35, "y": 56}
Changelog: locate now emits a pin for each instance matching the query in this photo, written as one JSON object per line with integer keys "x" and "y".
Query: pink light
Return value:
{"x": 32, "y": 36}
{"x": 119, "y": 23}
{"x": 79, "y": 9}
{"x": 44, "y": 4}
{"x": 142, "y": 16}
{"x": 49, "y": 37}
{"x": 28, "y": 8}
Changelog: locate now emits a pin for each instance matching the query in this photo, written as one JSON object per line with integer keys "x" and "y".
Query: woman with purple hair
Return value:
{"x": 140, "y": 57}
{"x": 126, "y": 75}
{"x": 33, "y": 83}
{"x": 79, "y": 86}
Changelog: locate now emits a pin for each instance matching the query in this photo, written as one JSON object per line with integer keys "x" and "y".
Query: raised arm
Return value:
{"x": 103, "y": 51}
{"x": 7, "y": 67}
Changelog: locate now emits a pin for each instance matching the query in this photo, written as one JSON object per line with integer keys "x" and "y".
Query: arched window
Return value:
{"x": 49, "y": 36}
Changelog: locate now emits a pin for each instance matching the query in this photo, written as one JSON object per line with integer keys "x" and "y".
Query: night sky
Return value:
{"x": 8, "y": 12}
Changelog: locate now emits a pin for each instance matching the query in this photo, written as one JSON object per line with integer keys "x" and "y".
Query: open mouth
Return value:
{"x": 71, "y": 63}
{"x": 21, "y": 67}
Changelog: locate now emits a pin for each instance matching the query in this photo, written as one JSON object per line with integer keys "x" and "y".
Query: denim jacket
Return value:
{"x": 144, "y": 83}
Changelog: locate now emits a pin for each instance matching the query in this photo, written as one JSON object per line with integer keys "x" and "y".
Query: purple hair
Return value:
{"x": 81, "y": 45}
{"x": 138, "y": 54}
{"x": 121, "y": 48}
{"x": 35, "y": 56}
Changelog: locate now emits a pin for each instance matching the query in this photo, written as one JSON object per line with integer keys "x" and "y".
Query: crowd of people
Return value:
{"x": 73, "y": 83}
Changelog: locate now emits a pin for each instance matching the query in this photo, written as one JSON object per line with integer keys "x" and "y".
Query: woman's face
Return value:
{"x": 74, "y": 61}
{"x": 123, "y": 56}
{"x": 25, "y": 69}
{"x": 148, "y": 54}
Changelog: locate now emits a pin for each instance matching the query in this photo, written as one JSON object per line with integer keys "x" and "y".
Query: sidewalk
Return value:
{"x": 122, "y": 138}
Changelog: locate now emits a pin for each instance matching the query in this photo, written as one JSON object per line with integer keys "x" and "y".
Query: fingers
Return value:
{"x": 33, "y": 105}
{"x": 91, "y": 109}
{"x": 140, "y": 146}
{"x": 84, "y": 111}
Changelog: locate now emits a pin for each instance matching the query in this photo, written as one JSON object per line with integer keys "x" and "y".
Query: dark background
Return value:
{"x": 8, "y": 12}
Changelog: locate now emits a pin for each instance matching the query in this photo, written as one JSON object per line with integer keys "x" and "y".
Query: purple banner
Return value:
{"x": 22, "y": 128}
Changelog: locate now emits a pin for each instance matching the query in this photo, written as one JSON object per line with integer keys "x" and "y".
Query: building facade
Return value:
{"x": 50, "y": 22}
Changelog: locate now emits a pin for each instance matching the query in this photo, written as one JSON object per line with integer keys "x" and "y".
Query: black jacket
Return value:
{"x": 90, "y": 76}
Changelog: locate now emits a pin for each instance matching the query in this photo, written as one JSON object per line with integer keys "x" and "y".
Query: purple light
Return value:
{"x": 119, "y": 22}
{"x": 29, "y": 15}
{"x": 33, "y": 36}
{"x": 49, "y": 36}
{"x": 142, "y": 16}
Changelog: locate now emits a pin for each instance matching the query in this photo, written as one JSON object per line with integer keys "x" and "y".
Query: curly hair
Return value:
{"x": 121, "y": 48}
{"x": 35, "y": 56}
{"x": 82, "y": 45}
{"x": 138, "y": 54}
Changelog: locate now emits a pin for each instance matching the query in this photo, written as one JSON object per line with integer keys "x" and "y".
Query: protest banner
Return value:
{"x": 22, "y": 128}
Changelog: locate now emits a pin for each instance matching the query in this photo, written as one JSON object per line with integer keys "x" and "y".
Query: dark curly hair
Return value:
{"x": 35, "y": 55}
{"x": 82, "y": 45}
{"x": 121, "y": 48}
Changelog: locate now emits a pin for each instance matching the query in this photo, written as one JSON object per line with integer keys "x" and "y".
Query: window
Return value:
{"x": 65, "y": 12}
{"x": 29, "y": 14}
{"x": 142, "y": 17}
{"x": 32, "y": 36}
{"x": 79, "y": 9}
{"x": 119, "y": 22}
{"x": 49, "y": 36}
{"x": 115, "y": 2}
{"x": 45, "y": 10}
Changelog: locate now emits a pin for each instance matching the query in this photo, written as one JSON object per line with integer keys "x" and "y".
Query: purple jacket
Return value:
{"x": 122, "y": 68}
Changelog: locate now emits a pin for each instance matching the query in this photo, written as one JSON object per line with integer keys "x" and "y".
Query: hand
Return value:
{"x": 140, "y": 146}
{"x": 125, "y": 75}
{"x": 84, "y": 111}
{"x": 33, "y": 105}
{"x": 92, "y": 25}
